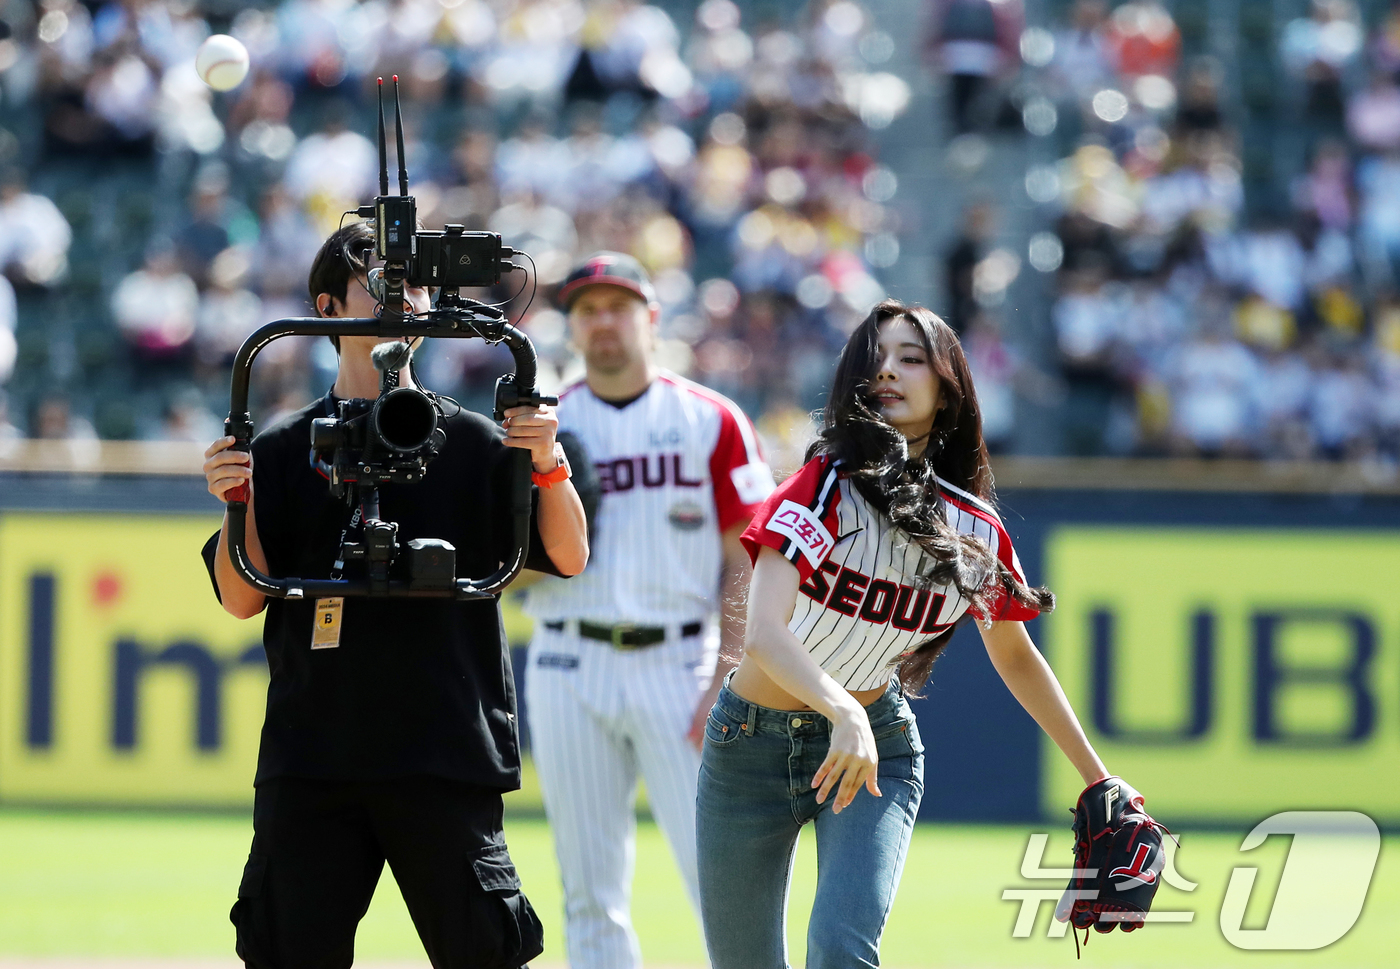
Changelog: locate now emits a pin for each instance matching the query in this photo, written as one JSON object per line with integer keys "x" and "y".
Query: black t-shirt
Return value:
{"x": 417, "y": 685}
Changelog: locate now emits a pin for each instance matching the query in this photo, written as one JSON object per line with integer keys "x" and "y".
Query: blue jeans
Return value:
{"x": 756, "y": 794}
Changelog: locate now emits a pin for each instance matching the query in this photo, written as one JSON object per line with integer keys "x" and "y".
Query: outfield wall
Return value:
{"x": 1230, "y": 653}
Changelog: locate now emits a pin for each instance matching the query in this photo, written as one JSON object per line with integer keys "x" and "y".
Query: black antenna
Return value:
{"x": 383, "y": 146}
{"x": 398, "y": 130}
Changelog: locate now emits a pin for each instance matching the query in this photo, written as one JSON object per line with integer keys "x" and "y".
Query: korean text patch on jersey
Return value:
{"x": 805, "y": 529}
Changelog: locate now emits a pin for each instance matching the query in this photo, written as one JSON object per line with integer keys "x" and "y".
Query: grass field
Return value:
{"x": 141, "y": 886}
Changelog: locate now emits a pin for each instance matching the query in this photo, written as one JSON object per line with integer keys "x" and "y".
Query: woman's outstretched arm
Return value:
{"x": 1033, "y": 683}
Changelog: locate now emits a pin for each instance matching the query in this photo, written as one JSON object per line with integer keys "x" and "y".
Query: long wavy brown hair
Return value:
{"x": 905, "y": 489}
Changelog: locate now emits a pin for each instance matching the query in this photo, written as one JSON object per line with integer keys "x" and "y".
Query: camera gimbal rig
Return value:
{"x": 367, "y": 451}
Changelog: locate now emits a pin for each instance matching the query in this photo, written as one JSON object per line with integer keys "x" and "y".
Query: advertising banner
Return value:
{"x": 122, "y": 682}
{"x": 1230, "y": 672}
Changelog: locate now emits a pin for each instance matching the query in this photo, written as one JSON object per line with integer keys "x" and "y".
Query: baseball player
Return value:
{"x": 621, "y": 673}
{"x": 865, "y": 561}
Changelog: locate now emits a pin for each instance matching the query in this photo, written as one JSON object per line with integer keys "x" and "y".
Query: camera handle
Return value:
{"x": 512, "y": 390}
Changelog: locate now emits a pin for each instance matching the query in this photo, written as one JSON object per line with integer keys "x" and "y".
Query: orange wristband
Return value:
{"x": 561, "y": 471}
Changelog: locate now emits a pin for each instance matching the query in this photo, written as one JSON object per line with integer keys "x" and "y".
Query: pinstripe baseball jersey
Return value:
{"x": 677, "y": 466}
{"x": 858, "y": 609}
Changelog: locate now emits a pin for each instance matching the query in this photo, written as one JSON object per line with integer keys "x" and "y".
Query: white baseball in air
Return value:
{"x": 222, "y": 62}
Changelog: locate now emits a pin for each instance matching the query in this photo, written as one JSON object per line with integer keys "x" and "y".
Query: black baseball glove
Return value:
{"x": 1118, "y": 859}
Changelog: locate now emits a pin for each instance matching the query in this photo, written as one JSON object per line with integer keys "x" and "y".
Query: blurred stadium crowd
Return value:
{"x": 1189, "y": 318}
{"x": 733, "y": 158}
{"x": 1198, "y": 307}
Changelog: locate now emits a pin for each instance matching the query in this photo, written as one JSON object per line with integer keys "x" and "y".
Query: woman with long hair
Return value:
{"x": 865, "y": 561}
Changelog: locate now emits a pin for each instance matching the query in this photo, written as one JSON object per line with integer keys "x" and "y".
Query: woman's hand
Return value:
{"x": 225, "y": 469}
{"x": 533, "y": 428}
{"x": 851, "y": 759}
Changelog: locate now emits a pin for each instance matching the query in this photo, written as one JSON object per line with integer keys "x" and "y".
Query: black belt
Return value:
{"x": 625, "y": 635}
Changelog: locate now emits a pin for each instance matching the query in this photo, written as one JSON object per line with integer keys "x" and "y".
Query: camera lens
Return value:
{"x": 404, "y": 420}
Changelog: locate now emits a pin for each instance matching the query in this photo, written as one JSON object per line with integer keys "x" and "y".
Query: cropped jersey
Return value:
{"x": 858, "y": 609}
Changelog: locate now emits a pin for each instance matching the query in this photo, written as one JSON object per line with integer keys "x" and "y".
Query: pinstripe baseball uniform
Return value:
{"x": 859, "y": 611}
{"x": 678, "y": 466}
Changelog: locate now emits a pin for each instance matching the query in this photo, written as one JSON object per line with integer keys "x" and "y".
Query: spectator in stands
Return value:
{"x": 968, "y": 249}
{"x": 1212, "y": 379}
{"x": 973, "y": 42}
{"x": 1199, "y": 107}
{"x": 1084, "y": 62}
{"x": 545, "y": 231}
{"x": 228, "y": 312}
{"x": 535, "y": 161}
{"x": 156, "y": 308}
{"x": 639, "y": 53}
{"x": 720, "y": 53}
{"x": 1144, "y": 40}
{"x": 285, "y": 236}
{"x": 164, "y": 34}
{"x": 53, "y": 420}
{"x": 1326, "y": 191}
{"x": 121, "y": 96}
{"x": 34, "y": 235}
{"x": 311, "y": 50}
{"x": 1204, "y": 188}
{"x": 1341, "y": 408}
{"x": 187, "y": 418}
{"x": 994, "y": 366}
{"x": 1267, "y": 260}
{"x": 533, "y": 53}
{"x": 333, "y": 170}
{"x": 1321, "y": 49}
{"x": 596, "y": 169}
{"x": 1373, "y": 114}
{"x": 1087, "y": 323}
{"x": 1281, "y": 398}
{"x": 215, "y": 223}
{"x": 1378, "y": 186}
{"x": 259, "y": 124}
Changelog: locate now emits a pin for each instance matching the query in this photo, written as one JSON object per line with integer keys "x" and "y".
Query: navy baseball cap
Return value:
{"x": 612, "y": 268}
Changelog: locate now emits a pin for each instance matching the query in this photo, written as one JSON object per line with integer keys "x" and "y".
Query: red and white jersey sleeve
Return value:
{"x": 677, "y": 467}
{"x": 742, "y": 479}
{"x": 970, "y": 514}
{"x": 800, "y": 518}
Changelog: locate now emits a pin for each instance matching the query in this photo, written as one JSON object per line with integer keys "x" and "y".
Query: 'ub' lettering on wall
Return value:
{"x": 1268, "y": 656}
{"x": 1273, "y": 676}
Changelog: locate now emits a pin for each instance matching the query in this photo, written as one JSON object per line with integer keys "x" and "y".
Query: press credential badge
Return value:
{"x": 326, "y": 634}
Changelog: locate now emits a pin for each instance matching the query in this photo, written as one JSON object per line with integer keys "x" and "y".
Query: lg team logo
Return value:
{"x": 1134, "y": 874}
{"x": 1320, "y": 894}
{"x": 1130, "y": 876}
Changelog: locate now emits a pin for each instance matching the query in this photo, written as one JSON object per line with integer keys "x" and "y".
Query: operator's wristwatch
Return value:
{"x": 561, "y": 472}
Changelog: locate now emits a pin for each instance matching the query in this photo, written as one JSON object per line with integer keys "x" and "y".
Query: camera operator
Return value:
{"x": 393, "y": 736}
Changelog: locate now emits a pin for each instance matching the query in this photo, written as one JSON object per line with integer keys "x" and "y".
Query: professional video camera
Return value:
{"x": 390, "y": 440}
